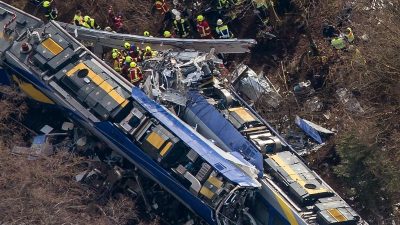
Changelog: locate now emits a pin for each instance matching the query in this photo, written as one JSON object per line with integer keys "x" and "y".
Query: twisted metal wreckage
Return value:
{"x": 189, "y": 128}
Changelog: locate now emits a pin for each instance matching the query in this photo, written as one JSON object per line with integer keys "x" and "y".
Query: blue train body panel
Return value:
{"x": 120, "y": 140}
{"x": 200, "y": 145}
{"x": 223, "y": 129}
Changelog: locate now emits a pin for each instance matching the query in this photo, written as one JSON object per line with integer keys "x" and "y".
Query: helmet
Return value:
{"x": 86, "y": 18}
{"x": 146, "y": 34}
{"x": 115, "y": 50}
{"x": 167, "y": 34}
{"x": 132, "y": 64}
{"x": 200, "y": 18}
{"x": 348, "y": 30}
{"x": 148, "y": 49}
{"x": 46, "y": 4}
{"x": 128, "y": 59}
{"x": 127, "y": 45}
{"x": 114, "y": 55}
{"x": 219, "y": 22}
{"x": 108, "y": 29}
{"x": 178, "y": 17}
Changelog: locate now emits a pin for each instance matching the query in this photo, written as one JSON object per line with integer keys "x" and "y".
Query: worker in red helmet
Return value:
{"x": 203, "y": 28}
{"x": 135, "y": 74}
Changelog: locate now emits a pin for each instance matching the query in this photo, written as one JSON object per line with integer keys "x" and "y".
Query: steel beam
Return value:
{"x": 117, "y": 40}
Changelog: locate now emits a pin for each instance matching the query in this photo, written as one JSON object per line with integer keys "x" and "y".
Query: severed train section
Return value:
{"x": 186, "y": 129}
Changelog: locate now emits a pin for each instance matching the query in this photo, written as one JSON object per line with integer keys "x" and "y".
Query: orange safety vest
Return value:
{"x": 161, "y": 5}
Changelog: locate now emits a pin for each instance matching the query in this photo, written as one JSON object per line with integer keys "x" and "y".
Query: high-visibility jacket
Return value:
{"x": 147, "y": 55}
{"x": 222, "y": 4}
{"x": 117, "y": 64}
{"x": 161, "y": 6}
{"x": 338, "y": 43}
{"x": 78, "y": 20}
{"x": 349, "y": 35}
{"x": 135, "y": 75}
{"x": 86, "y": 25}
{"x": 93, "y": 24}
{"x": 182, "y": 27}
{"x": 204, "y": 29}
{"x": 223, "y": 31}
{"x": 50, "y": 13}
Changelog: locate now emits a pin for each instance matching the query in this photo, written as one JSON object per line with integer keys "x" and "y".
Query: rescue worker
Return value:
{"x": 223, "y": 30}
{"x": 146, "y": 34}
{"x": 125, "y": 66}
{"x": 181, "y": 27}
{"x": 338, "y": 43}
{"x": 167, "y": 34}
{"x": 132, "y": 51}
{"x": 222, "y": 4}
{"x": 119, "y": 53}
{"x": 148, "y": 53}
{"x": 116, "y": 20}
{"x": 349, "y": 35}
{"x": 78, "y": 19}
{"x": 117, "y": 61}
{"x": 90, "y": 21}
{"x": 161, "y": 6}
{"x": 135, "y": 74}
{"x": 203, "y": 28}
{"x": 50, "y": 12}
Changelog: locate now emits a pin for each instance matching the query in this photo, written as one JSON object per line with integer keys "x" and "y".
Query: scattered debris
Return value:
{"x": 349, "y": 101}
{"x": 316, "y": 132}
{"x": 40, "y": 147}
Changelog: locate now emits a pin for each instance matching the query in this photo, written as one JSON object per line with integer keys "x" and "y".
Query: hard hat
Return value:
{"x": 148, "y": 48}
{"x": 219, "y": 22}
{"x": 109, "y": 29}
{"x": 178, "y": 17}
{"x": 114, "y": 55}
{"x": 167, "y": 34}
{"x": 115, "y": 50}
{"x": 128, "y": 59}
{"x": 200, "y": 18}
{"x": 46, "y": 4}
{"x": 127, "y": 45}
{"x": 146, "y": 33}
{"x": 132, "y": 64}
{"x": 86, "y": 18}
{"x": 349, "y": 29}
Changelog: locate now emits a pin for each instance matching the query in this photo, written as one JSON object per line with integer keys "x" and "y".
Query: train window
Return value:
{"x": 261, "y": 212}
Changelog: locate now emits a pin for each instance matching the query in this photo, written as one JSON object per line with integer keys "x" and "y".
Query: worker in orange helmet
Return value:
{"x": 203, "y": 28}
{"x": 135, "y": 74}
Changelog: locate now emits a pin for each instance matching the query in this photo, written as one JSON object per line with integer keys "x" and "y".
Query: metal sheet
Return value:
{"x": 212, "y": 154}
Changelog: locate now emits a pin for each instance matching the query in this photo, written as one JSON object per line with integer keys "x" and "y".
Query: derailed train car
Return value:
{"x": 291, "y": 192}
{"x": 52, "y": 67}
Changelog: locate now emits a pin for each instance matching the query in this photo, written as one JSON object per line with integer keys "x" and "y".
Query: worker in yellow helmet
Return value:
{"x": 117, "y": 61}
{"x": 135, "y": 74}
{"x": 50, "y": 12}
{"x": 148, "y": 53}
{"x": 125, "y": 66}
{"x": 146, "y": 34}
{"x": 203, "y": 28}
{"x": 90, "y": 21}
{"x": 167, "y": 34}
